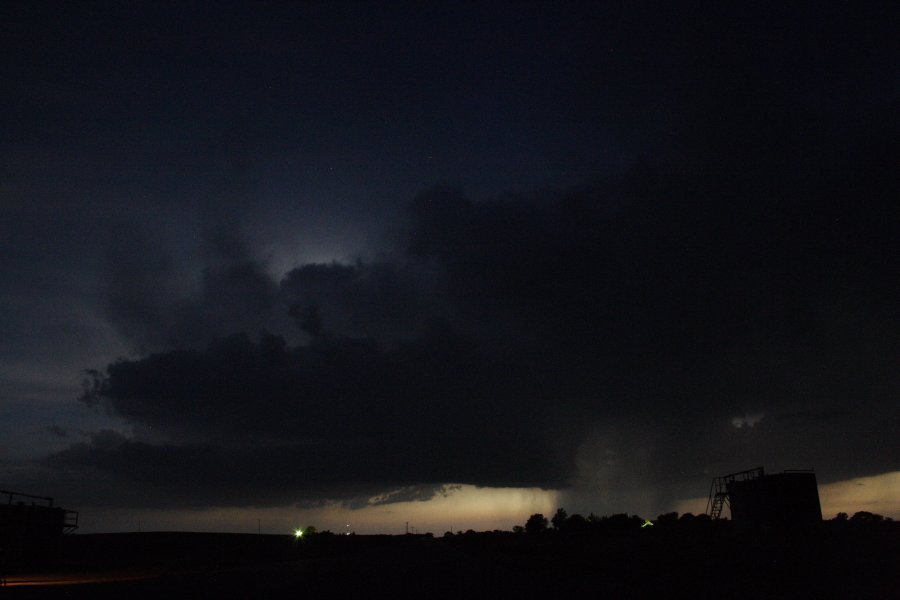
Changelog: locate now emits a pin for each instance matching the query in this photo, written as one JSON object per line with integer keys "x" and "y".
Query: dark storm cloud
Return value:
{"x": 265, "y": 475}
{"x": 382, "y": 300}
{"x": 334, "y": 411}
{"x": 156, "y": 304}
{"x": 742, "y": 267}
{"x": 646, "y": 301}
{"x": 57, "y": 431}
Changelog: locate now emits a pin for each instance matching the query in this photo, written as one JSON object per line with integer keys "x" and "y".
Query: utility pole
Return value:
{"x": 407, "y": 528}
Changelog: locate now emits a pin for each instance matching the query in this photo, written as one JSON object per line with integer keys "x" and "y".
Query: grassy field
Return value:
{"x": 831, "y": 562}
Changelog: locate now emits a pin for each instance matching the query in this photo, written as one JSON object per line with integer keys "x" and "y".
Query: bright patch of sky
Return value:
{"x": 464, "y": 507}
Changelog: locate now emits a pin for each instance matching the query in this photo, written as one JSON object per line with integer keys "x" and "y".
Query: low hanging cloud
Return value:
{"x": 502, "y": 342}
{"x": 626, "y": 334}
{"x": 316, "y": 420}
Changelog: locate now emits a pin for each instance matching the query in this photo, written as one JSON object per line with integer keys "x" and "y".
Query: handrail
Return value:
{"x": 12, "y": 494}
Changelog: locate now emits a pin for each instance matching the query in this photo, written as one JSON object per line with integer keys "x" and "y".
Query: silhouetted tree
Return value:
{"x": 667, "y": 519}
{"x": 623, "y": 521}
{"x": 536, "y": 523}
{"x": 518, "y": 529}
{"x": 841, "y": 516}
{"x": 865, "y": 516}
{"x": 559, "y": 519}
{"x": 576, "y": 524}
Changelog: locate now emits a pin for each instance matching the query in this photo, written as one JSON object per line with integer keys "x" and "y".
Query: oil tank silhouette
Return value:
{"x": 787, "y": 500}
{"x": 31, "y": 527}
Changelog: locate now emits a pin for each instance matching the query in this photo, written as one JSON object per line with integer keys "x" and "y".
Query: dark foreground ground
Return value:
{"x": 830, "y": 562}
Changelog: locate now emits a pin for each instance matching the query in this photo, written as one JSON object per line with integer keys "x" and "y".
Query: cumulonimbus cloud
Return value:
{"x": 485, "y": 347}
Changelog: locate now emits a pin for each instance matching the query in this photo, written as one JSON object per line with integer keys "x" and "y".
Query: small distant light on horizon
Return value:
{"x": 748, "y": 420}
{"x": 298, "y": 533}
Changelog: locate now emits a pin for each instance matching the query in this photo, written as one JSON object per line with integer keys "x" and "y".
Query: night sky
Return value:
{"x": 351, "y": 262}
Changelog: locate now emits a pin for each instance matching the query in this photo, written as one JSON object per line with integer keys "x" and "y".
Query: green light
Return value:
{"x": 647, "y": 523}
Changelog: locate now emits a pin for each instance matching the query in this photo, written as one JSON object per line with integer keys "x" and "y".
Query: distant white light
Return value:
{"x": 298, "y": 533}
{"x": 748, "y": 420}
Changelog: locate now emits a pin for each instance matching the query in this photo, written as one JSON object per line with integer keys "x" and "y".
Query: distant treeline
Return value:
{"x": 562, "y": 522}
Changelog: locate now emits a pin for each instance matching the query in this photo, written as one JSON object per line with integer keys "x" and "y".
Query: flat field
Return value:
{"x": 830, "y": 562}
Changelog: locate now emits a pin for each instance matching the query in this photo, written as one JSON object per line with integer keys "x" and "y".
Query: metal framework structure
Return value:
{"x": 69, "y": 517}
{"x": 718, "y": 490}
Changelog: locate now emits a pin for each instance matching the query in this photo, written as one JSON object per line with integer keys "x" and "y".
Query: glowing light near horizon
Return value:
{"x": 462, "y": 507}
{"x": 466, "y": 507}
{"x": 748, "y": 420}
{"x": 298, "y": 533}
{"x": 469, "y": 507}
{"x": 877, "y": 494}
